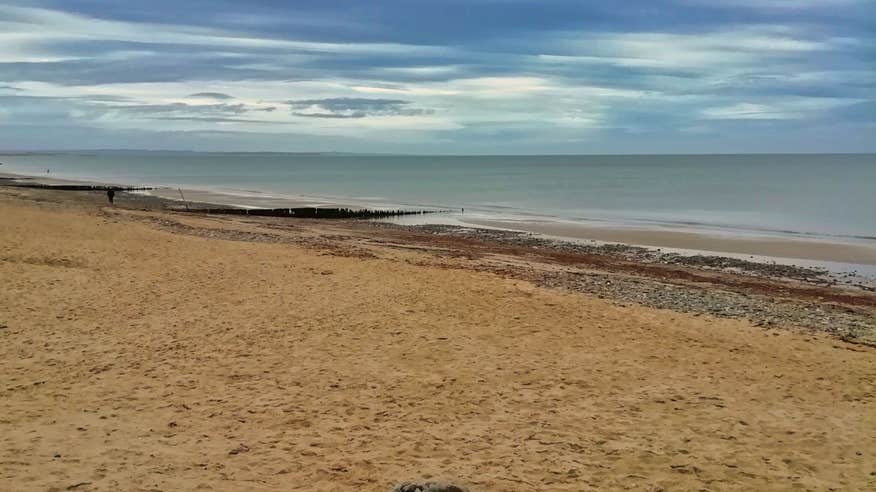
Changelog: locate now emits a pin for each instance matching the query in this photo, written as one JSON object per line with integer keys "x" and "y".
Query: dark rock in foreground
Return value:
{"x": 428, "y": 487}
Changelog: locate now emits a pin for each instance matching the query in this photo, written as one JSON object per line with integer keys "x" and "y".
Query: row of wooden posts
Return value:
{"x": 314, "y": 212}
{"x": 298, "y": 212}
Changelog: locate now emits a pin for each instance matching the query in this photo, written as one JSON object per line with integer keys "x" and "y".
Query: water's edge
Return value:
{"x": 838, "y": 255}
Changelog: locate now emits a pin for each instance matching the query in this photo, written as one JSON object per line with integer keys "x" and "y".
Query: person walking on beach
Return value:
{"x": 110, "y": 195}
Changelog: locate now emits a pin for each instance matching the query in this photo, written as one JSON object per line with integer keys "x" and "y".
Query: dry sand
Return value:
{"x": 134, "y": 358}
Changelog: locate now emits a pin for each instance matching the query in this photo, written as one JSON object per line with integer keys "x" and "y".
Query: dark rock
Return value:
{"x": 428, "y": 487}
{"x": 242, "y": 448}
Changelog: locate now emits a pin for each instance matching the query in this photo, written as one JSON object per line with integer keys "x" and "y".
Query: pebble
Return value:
{"x": 428, "y": 487}
{"x": 242, "y": 448}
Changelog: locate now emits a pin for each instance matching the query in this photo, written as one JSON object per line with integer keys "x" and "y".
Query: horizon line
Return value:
{"x": 10, "y": 152}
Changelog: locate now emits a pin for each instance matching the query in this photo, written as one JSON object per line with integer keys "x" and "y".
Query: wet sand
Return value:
{"x": 861, "y": 252}
{"x": 229, "y": 354}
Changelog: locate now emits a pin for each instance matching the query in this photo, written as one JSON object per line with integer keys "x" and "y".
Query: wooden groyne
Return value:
{"x": 313, "y": 212}
{"x": 65, "y": 187}
{"x": 297, "y": 213}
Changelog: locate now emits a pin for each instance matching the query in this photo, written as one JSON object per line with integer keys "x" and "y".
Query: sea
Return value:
{"x": 813, "y": 195}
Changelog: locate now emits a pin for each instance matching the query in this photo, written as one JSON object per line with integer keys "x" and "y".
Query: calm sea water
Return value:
{"x": 791, "y": 194}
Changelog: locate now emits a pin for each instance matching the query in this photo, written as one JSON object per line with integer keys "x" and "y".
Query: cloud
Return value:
{"x": 701, "y": 51}
{"x": 862, "y": 112}
{"x": 350, "y": 107}
{"x": 218, "y": 119}
{"x": 797, "y": 108}
{"x": 26, "y": 28}
{"x": 211, "y": 95}
{"x": 564, "y": 74}
{"x": 746, "y": 111}
{"x": 179, "y": 108}
{"x": 777, "y": 4}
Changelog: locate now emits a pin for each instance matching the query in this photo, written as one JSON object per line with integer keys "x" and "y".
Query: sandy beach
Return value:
{"x": 151, "y": 350}
{"x": 466, "y": 246}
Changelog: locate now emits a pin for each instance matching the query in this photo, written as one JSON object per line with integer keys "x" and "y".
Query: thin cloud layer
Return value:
{"x": 211, "y": 95}
{"x": 353, "y": 107}
{"x": 483, "y": 77}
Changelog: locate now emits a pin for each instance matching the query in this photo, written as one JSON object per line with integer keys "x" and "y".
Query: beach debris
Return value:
{"x": 241, "y": 448}
{"x": 641, "y": 254}
{"x": 77, "y": 485}
{"x": 428, "y": 487}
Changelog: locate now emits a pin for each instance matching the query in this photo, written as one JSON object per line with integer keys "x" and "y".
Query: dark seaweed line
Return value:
{"x": 312, "y": 212}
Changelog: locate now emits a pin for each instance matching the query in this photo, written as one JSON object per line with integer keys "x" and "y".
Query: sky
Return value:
{"x": 447, "y": 77}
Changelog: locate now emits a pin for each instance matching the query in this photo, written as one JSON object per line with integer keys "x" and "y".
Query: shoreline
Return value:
{"x": 736, "y": 279}
{"x": 819, "y": 250}
{"x": 839, "y": 255}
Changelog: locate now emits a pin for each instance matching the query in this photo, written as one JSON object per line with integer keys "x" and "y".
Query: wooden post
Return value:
{"x": 183, "y": 199}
